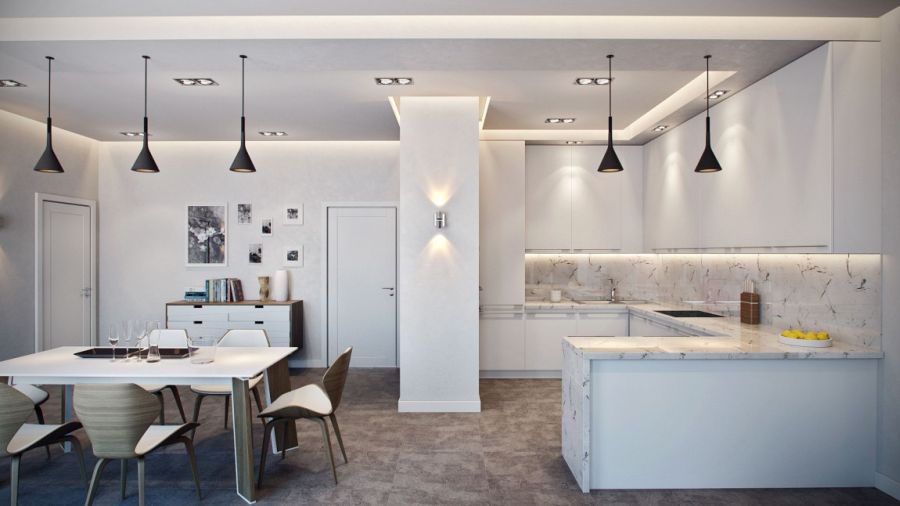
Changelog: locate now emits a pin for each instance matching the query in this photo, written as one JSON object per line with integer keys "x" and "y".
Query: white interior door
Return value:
{"x": 66, "y": 277}
{"x": 362, "y": 281}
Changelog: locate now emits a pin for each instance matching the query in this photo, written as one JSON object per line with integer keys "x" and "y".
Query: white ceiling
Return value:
{"x": 840, "y": 8}
{"x": 315, "y": 78}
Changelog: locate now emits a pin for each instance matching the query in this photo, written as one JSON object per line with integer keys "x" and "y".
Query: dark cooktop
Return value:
{"x": 687, "y": 313}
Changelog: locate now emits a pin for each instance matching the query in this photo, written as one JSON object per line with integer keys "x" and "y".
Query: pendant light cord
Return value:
{"x": 243, "y": 60}
{"x": 49, "y": 82}
{"x": 707, "y": 83}
{"x": 146, "y": 59}
{"x": 609, "y": 58}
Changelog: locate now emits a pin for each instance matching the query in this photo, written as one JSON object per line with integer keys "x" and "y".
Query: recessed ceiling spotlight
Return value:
{"x": 196, "y": 81}
{"x": 572, "y": 143}
{"x": 272, "y": 133}
{"x": 559, "y": 120}
{"x": 717, "y": 94}
{"x": 589, "y": 81}
{"x": 10, "y": 83}
{"x": 393, "y": 81}
{"x": 660, "y": 128}
{"x": 133, "y": 134}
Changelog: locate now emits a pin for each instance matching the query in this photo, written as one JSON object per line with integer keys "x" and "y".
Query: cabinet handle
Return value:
{"x": 258, "y": 306}
{"x": 198, "y": 306}
{"x": 258, "y": 322}
{"x": 198, "y": 322}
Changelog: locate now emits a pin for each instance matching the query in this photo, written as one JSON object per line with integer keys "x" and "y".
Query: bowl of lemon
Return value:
{"x": 809, "y": 339}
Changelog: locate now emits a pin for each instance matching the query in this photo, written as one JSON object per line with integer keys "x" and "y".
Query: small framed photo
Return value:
{"x": 245, "y": 214}
{"x": 265, "y": 226}
{"x": 255, "y": 253}
{"x": 293, "y": 256}
{"x": 293, "y": 215}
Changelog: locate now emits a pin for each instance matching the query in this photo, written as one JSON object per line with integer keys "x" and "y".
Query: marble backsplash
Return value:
{"x": 840, "y": 294}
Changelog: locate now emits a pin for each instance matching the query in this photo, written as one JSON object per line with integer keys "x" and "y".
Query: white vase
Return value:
{"x": 280, "y": 286}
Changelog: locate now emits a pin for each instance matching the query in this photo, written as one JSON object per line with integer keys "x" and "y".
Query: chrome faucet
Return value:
{"x": 612, "y": 290}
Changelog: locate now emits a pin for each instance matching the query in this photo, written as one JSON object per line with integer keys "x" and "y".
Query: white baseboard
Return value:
{"x": 302, "y": 363}
{"x": 521, "y": 374}
{"x": 887, "y": 485}
{"x": 439, "y": 406}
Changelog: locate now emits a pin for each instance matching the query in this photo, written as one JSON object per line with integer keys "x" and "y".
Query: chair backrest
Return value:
{"x": 336, "y": 376}
{"x": 245, "y": 338}
{"x": 115, "y": 417}
{"x": 171, "y": 338}
{"x": 15, "y": 407}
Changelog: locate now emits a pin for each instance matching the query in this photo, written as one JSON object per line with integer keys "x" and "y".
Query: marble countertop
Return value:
{"x": 728, "y": 339}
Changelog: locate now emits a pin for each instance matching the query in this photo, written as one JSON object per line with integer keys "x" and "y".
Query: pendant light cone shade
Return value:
{"x": 708, "y": 161}
{"x": 48, "y": 162}
{"x": 242, "y": 161}
{"x": 145, "y": 163}
{"x": 610, "y": 162}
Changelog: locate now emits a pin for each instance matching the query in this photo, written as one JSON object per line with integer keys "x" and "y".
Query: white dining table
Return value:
{"x": 232, "y": 366}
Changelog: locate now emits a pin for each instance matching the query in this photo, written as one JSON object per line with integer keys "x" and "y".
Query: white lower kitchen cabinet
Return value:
{"x": 502, "y": 341}
{"x": 645, "y": 327}
{"x": 544, "y": 333}
{"x": 601, "y": 324}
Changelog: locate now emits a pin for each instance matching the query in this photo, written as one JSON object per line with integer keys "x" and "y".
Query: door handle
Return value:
{"x": 86, "y": 292}
{"x": 387, "y": 288}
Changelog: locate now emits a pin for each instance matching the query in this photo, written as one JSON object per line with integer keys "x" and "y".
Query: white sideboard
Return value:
{"x": 282, "y": 321}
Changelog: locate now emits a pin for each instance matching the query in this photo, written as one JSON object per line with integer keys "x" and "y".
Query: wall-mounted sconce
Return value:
{"x": 440, "y": 219}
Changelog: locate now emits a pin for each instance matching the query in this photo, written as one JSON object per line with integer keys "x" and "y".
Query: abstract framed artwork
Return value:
{"x": 207, "y": 235}
{"x": 293, "y": 215}
{"x": 245, "y": 214}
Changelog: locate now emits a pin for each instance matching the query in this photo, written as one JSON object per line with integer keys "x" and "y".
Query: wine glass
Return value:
{"x": 113, "y": 338}
{"x": 152, "y": 332}
{"x": 140, "y": 335}
{"x": 127, "y": 337}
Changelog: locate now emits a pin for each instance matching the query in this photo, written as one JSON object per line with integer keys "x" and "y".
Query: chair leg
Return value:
{"x": 123, "y": 476}
{"x": 257, "y": 398}
{"x": 39, "y": 413}
{"x": 227, "y": 412}
{"x": 284, "y": 431}
{"x": 14, "y": 480}
{"x": 162, "y": 407}
{"x": 197, "y": 401}
{"x": 327, "y": 438}
{"x": 177, "y": 397}
{"x": 76, "y": 445}
{"x": 189, "y": 446}
{"x": 337, "y": 432}
{"x": 95, "y": 481}
{"x": 140, "y": 481}
{"x": 270, "y": 426}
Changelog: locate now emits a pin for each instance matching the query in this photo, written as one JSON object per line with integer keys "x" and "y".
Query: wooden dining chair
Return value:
{"x": 38, "y": 396}
{"x": 238, "y": 338}
{"x": 315, "y": 401}
{"x": 17, "y": 437}
{"x": 118, "y": 418}
{"x": 169, "y": 338}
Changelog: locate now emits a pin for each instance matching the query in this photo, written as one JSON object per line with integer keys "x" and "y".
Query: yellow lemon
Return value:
{"x": 822, "y": 336}
{"x": 787, "y": 333}
{"x": 811, "y": 335}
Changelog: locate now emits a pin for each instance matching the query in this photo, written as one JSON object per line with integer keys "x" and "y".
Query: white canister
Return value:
{"x": 555, "y": 295}
{"x": 280, "y": 286}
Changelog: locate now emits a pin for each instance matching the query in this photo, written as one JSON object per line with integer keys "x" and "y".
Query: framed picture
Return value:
{"x": 255, "y": 252}
{"x": 245, "y": 214}
{"x": 293, "y": 215}
{"x": 293, "y": 256}
{"x": 265, "y": 226}
{"x": 207, "y": 230}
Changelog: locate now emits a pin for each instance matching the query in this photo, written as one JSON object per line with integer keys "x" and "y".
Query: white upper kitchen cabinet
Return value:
{"x": 548, "y": 198}
{"x": 569, "y": 206}
{"x": 502, "y": 223}
{"x": 801, "y": 158}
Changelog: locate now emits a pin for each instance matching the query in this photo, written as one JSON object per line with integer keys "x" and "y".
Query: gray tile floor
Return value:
{"x": 508, "y": 454}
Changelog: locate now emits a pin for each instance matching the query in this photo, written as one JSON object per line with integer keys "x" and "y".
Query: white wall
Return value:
{"x": 888, "y": 478}
{"x": 438, "y": 270}
{"x": 21, "y": 144}
{"x": 142, "y": 229}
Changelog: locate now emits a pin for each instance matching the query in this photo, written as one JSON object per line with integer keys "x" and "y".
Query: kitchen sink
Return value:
{"x": 687, "y": 313}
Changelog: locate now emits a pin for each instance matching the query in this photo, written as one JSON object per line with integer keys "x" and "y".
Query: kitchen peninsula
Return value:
{"x": 729, "y": 407}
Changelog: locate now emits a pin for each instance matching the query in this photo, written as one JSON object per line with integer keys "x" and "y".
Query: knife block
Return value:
{"x": 750, "y": 308}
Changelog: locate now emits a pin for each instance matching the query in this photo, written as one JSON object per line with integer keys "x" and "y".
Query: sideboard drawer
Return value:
{"x": 197, "y": 313}
{"x": 255, "y": 313}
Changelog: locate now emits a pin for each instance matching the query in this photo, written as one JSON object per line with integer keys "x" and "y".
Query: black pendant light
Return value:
{"x": 708, "y": 161}
{"x": 49, "y": 163}
{"x": 145, "y": 162}
{"x": 610, "y": 162}
{"x": 242, "y": 161}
